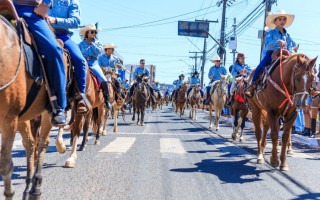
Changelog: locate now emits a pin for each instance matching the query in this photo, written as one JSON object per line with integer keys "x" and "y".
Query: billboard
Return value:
{"x": 193, "y": 29}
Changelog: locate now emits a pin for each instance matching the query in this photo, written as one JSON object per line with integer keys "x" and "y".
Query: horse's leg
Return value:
{"x": 46, "y": 126}
{"x": 243, "y": 123}
{"x": 285, "y": 137}
{"x": 138, "y": 113}
{"x": 256, "y": 118}
{"x": 134, "y": 112}
{"x": 85, "y": 132}
{"x": 77, "y": 125}
{"x": 273, "y": 121}
{"x": 105, "y": 119}
{"x": 9, "y": 127}
{"x": 235, "y": 124}
{"x": 35, "y": 130}
{"x": 210, "y": 116}
{"x": 218, "y": 114}
{"x": 115, "y": 126}
{"x": 143, "y": 109}
{"x": 266, "y": 127}
{"x": 28, "y": 143}
{"x": 290, "y": 151}
{"x": 61, "y": 147}
{"x": 196, "y": 112}
{"x": 190, "y": 112}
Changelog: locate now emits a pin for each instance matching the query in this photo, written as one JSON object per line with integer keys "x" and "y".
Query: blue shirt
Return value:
{"x": 126, "y": 85}
{"x": 178, "y": 83}
{"x": 215, "y": 71}
{"x": 93, "y": 50}
{"x": 156, "y": 87}
{"x": 67, "y": 13}
{"x": 46, "y": 2}
{"x": 104, "y": 61}
{"x": 140, "y": 71}
{"x": 237, "y": 68}
{"x": 194, "y": 81}
{"x": 272, "y": 41}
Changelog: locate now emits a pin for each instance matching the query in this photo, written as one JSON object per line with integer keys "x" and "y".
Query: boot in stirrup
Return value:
{"x": 106, "y": 96}
{"x": 249, "y": 91}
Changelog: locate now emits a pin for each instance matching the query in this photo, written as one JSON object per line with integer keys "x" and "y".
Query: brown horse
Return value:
{"x": 239, "y": 106}
{"x": 282, "y": 98}
{"x": 167, "y": 99}
{"x": 116, "y": 105}
{"x": 182, "y": 99}
{"x": 140, "y": 99}
{"x": 15, "y": 84}
{"x": 156, "y": 105}
{"x": 194, "y": 101}
{"x": 96, "y": 100}
{"x": 218, "y": 93}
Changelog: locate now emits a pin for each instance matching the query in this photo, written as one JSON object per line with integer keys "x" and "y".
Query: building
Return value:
{"x": 130, "y": 69}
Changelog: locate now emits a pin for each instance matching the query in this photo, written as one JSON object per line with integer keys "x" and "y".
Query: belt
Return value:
{"x": 28, "y": 2}
{"x": 91, "y": 58}
{"x": 61, "y": 31}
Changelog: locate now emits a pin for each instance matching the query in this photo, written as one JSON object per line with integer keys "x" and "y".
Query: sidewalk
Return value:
{"x": 296, "y": 138}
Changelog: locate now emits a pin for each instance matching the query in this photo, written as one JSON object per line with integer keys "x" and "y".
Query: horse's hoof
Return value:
{"x": 210, "y": 127}
{"x": 138, "y": 123}
{"x": 260, "y": 161}
{"x": 241, "y": 140}
{"x": 217, "y": 129}
{"x": 61, "y": 147}
{"x": 104, "y": 133}
{"x": 70, "y": 164}
{"x": 115, "y": 130}
{"x": 97, "y": 142}
{"x": 284, "y": 168}
{"x": 34, "y": 196}
{"x": 142, "y": 124}
{"x": 290, "y": 152}
{"x": 274, "y": 163}
{"x": 81, "y": 148}
{"x": 133, "y": 119}
{"x": 9, "y": 196}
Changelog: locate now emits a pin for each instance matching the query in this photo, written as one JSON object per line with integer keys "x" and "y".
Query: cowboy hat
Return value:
{"x": 241, "y": 55}
{"x": 181, "y": 75}
{"x": 89, "y": 27}
{"x": 280, "y": 13}
{"x": 216, "y": 58}
{"x": 109, "y": 46}
{"x": 156, "y": 82}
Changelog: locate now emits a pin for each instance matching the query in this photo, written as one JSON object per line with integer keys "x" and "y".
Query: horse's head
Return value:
{"x": 185, "y": 86}
{"x": 141, "y": 77}
{"x": 303, "y": 78}
{"x": 224, "y": 81}
{"x": 108, "y": 70}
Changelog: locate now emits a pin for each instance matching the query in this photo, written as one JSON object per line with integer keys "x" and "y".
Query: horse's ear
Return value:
{"x": 299, "y": 59}
{"x": 295, "y": 50}
{"x": 220, "y": 75}
{"x": 312, "y": 63}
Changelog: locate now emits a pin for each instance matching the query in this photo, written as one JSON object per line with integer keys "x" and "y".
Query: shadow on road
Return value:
{"x": 227, "y": 171}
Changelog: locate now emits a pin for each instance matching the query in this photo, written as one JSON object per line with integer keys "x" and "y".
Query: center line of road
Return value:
{"x": 170, "y": 147}
{"x": 119, "y": 145}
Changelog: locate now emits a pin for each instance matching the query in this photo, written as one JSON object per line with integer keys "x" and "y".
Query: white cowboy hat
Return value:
{"x": 216, "y": 58}
{"x": 280, "y": 13}
{"x": 109, "y": 46}
{"x": 89, "y": 27}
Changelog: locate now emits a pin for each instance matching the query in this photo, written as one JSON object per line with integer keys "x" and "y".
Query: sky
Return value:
{"x": 149, "y": 30}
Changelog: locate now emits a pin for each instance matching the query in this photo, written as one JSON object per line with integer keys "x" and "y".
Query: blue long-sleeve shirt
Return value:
{"x": 178, "y": 83}
{"x": 215, "y": 71}
{"x": 67, "y": 13}
{"x": 194, "y": 81}
{"x": 237, "y": 68}
{"x": 272, "y": 41}
{"x": 140, "y": 71}
{"x": 93, "y": 50}
{"x": 156, "y": 87}
{"x": 104, "y": 61}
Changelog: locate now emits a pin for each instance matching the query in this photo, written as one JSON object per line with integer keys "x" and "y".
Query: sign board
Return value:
{"x": 185, "y": 28}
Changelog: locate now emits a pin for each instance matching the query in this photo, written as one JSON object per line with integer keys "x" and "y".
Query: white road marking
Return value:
{"x": 120, "y": 145}
{"x": 145, "y": 133}
{"x": 170, "y": 147}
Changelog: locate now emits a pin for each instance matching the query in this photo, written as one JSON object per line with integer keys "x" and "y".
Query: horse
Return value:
{"x": 239, "y": 106}
{"x": 286, "y": 91}
{"x": 96, "y": 100}
{"x": 173, "y": 102}
{"x": 156, "y": 104}
{"x": 194, "y": 101}
{"x": 218, "y": 98}
{"x": 140, "y": 99}
{"x": 167, "y": 99}
{"x": 116, "y": 105}
{"x": 15, "y": 83}
{"x": 181, "y": 100}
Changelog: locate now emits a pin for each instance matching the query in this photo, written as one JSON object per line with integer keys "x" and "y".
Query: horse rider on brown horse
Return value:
{"x": 139, "y": 71}
{"x": 178, "y": 84}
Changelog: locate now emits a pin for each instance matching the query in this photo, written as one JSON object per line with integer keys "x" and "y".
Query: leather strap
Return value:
{"x": 28, "y": 2}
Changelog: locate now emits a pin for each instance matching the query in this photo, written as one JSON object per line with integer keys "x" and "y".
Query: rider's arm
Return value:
{"x": 290, "y": 44}
{"x": 47, "y": 2}
{"x": 235, "y": 70}
{"x": 210, "y": 73}
{"x": 249, "y": 70}
{"x": 135, "y": 74}
{"x": 73, "y": 19}
{"x": 271, "y": 43}
{"x": 96, "y": 47}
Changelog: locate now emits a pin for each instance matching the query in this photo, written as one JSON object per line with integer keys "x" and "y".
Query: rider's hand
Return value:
{"x": 282, "y": 43}
{"x": 52, "y": 20}
{"x": 211, "y": 77}
{"x": 41, "y": 10}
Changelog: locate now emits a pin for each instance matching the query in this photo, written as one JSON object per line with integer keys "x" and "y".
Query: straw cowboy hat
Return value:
{"x": 156, "y": 82}
{"x": 280, "y": 13}
{"x": 109, "y": 46}
{"x": 89, "y": 27}
{"x": 216, "y": 58}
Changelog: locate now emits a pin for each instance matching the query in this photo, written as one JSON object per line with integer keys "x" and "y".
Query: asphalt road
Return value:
{"x": 171, "y": 158}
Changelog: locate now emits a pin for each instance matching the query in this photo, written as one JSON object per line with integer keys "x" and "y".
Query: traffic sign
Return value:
{"x": 193, "y": 29}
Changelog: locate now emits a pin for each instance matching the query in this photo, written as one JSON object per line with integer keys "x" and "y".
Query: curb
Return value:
{"x": 315, "y": 142}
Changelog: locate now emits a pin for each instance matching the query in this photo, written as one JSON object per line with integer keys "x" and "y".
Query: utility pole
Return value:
{"x": 234, "y": 34}
{"x": 267, "y": 11}
{"x": 195, "y": 60}
{"x": 223, "y": 24}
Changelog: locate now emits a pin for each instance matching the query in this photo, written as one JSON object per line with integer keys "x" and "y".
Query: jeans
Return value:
{"x": 49, "y": 47}
{"x": 189, "y": 90}
{"x": 264, "y": 62}
{"x": 299, "y": 123}
{"x": 77, "y": 59}
{"x": 97, "y": 71}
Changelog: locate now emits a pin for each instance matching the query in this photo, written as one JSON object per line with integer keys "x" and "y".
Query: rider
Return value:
{"x": 34, "y": 13}
{"x": 239, "y": 68}
{"x": 91, "y": 48}
{"x": 139, "y": 71}
{"x": 167, "y": 93}
{"x": 108, "y": 59}
{"x": 64, "y": 18}
{"x": 156, "y": 87}
{"x": 178, "y": 84}
{"x": 195, "y": 80}
{"x": 214, "y": 75}
{"x": 276, "y": 38}
{"x": 125, "y": 84}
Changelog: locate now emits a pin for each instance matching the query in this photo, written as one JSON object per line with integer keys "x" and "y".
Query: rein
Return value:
{"x": 286, "y": 93}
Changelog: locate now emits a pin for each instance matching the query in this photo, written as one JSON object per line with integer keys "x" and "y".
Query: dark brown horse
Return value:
{"x": 140, "y": 99}
{"x": 194, "y": 101}
{"x": 237, "y": 107}
{"x": 181, "y": 100}
{"x": 282, "y": 98}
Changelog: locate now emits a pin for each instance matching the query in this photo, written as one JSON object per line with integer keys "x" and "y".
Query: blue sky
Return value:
{"x": 159, "y": 44}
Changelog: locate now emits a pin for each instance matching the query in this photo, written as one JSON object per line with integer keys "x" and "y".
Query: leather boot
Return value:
{"x": 106, "y": 95}
{"x": 59, "y": 118}
{"x": 306, "y": 132}
{"x": 313, "y": 128}
{"x": 249, "y": 91}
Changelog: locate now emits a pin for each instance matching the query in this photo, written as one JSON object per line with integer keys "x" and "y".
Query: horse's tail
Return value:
{"x": 71, "y": 122}
{"x": 94, "y": 115}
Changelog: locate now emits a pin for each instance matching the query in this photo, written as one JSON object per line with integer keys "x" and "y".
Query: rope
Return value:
{"x": 285, "y": 88}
